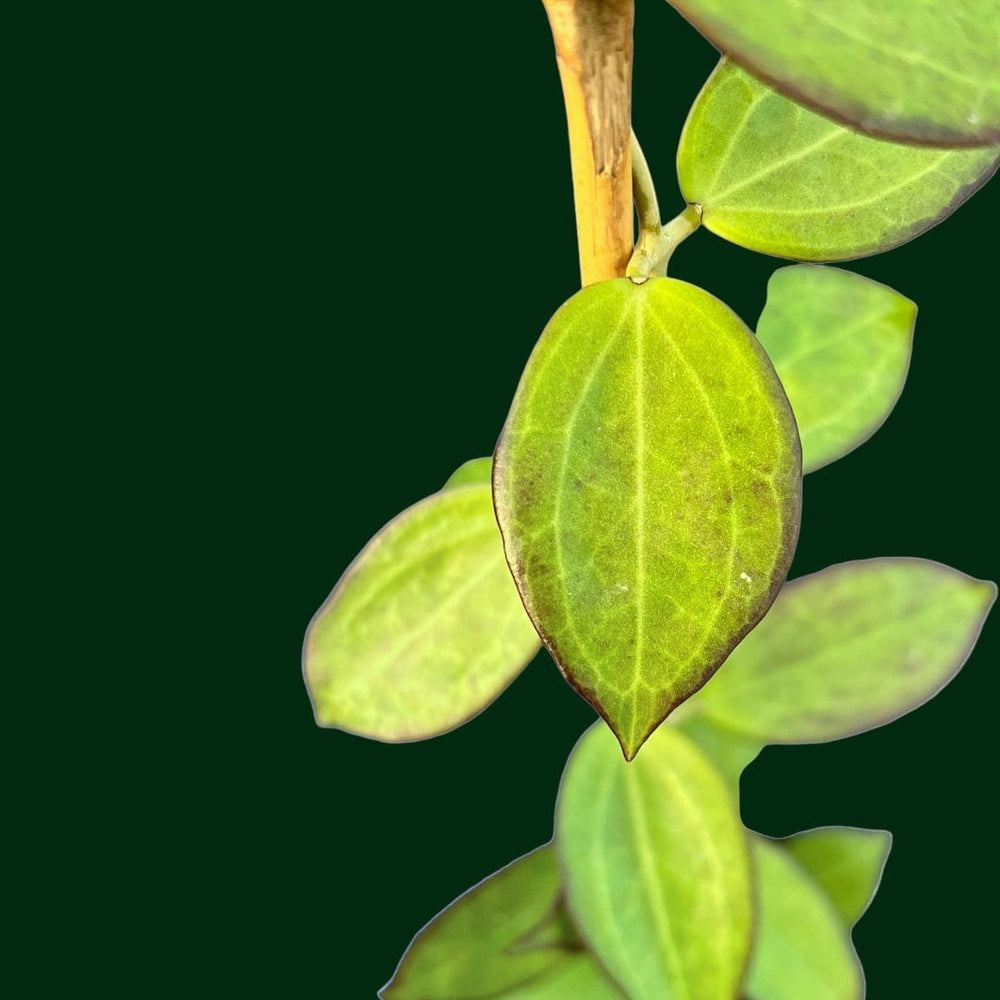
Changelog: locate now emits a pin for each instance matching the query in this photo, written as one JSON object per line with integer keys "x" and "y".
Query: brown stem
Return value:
{"x": 594, "y": 52}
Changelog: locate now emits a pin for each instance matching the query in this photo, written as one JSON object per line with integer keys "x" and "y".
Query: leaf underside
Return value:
{"x": 647, "y": 484}
{"x": 840, "y": 344}
{"x": 656, "y": 867}
{"x": 773, "y": 176}
{"x": 848, "y": 649}
{"x": 912, "y": 70}
{"x": 425, "y": 628}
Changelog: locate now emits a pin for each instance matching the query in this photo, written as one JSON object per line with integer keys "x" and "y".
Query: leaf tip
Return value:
{"x": 633, "y": 742}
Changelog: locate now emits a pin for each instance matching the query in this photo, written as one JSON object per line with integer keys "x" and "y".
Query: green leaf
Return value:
{"x": 848, "y": 649}
{"x": 476, "y": 470}
{"x": 847, "y": 862}
{"x": 424, "y": 629}
{"x": 467, "y": 951}
{"x": 575, "y": 977}
{"x": 912, "y": 70}
{"x": 557, "y": 930}
{"x": 647, "y": 484}
{"x": 773, "y": 176}
{"x": 802, "y": 949}
{"x": 656, "y": 867}
{"x": 840, "y": 344}
{"x": 730, "y": 752}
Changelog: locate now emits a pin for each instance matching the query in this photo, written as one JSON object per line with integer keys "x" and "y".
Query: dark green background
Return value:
{"x": 335, "y": 233}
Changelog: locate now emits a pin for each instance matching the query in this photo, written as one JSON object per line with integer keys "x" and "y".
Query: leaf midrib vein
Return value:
{"x": 651, "y": 884}
{"x": 727, "y": 583}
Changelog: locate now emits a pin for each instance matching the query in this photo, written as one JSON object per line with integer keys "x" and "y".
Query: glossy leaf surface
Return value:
{"x": 424, "y": 629}
{"x": 656, "y": 867}
{"x": 840, "y": 344}
{"x": 773, "y": 176}
{"x": 647, "y": 484}
{"x": 468, "y": 950}
{"x": 848, "y": 649}
{"x": 847, "y": 862}
{"x": 916, "y": 70}
{"x": 802, "y": 949}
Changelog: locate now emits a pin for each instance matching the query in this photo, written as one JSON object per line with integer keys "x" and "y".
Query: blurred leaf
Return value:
{"x": 847, "y": 862}
{"x": 424, "y": 629}
{"x": 575, "y": 977}
{"x": 476, "y": 470}
{"x": 840, "y": 344}
{"x": 773, "y": 176}
{"x": 731, "y": 752}
{"x": 656, "y": 868}
{"x": 916, "y": 70}
{"x": 802, "y": 950}
{"x": 647, "y": 485}
{"x": 557, "y": 930}
{"x": 467, "y": 952}
{"x": 848, "y": 649}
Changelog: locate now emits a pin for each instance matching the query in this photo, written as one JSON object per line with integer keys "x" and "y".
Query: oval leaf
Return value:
{"x": 656, "y": 867}
{"x": 847, "y": 862}
{"x": 840, "y": 344}
{"x": 424, "y": 629}
{"x": 647, "y": 484}
{"x": 802, "y": 949}
{"x": 773, "y": 176}
{"x": 917, "y": 72}
{"x": 468, "y": 950}
{"x": 848, "y": 649}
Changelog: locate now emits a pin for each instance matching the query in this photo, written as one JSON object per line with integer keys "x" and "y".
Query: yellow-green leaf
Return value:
{"x": 730, "y": 752}
{"x": 575, "y": 977}
{"x": 476, "y": 470}
{"x": 656, "y": 867}
{"x": 840, "y": 344}
{"x": 647, "y": 484}
{"x": 773, "y": 176}
{"x": 913, "y": 70}
{"x": 468, "y": 950}
{"x": 847, "y": 862}
{"x": 848, "y": 649}
{"x": 802, "y": 950}
{"x": 424, "y": 629}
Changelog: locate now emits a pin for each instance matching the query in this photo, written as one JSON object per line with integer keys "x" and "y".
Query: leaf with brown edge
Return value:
{"x": 911, "y": 70}
{"x": 647, "y": 483}
{"x": 848, "y": 649}
{"x": 775, "y": 177}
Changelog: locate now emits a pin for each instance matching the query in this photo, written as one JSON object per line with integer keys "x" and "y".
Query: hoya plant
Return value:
{"x": 639, "y": 515}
